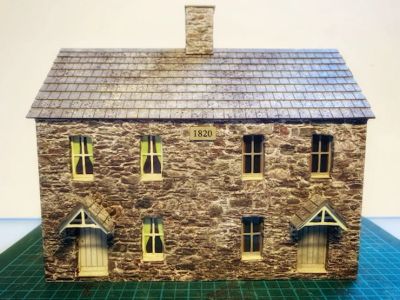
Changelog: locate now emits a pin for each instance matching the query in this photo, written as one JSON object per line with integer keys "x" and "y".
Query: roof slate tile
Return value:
{"x": 231, "y": 84}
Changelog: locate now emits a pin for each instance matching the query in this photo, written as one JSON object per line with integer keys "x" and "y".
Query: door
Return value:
{"x": 93, "y": 253}
{"x": 312, "y": 250}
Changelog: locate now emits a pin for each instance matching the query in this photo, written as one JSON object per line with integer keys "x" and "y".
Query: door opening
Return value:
{"x": 93, "y": 253}
{"x": 312, "y": 251}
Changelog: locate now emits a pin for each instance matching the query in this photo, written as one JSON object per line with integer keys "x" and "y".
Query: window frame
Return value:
{"x": 153, "y": 256}
{"x": 252, "y": 255}
{"x": 252, "y": 154}
{"x": 151, "y": 176}
{"x": 319, "y": 153}
{"x": 83, "y": 155}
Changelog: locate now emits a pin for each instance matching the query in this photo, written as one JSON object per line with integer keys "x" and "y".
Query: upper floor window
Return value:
{"x": 82, "y": 157}
{"x": 153, "y": 239}
{"x": 321, "y": 155}
{"x": 251, "y": 237}
{"x": 253, "y": 156}
{"x": 151, "y": 157}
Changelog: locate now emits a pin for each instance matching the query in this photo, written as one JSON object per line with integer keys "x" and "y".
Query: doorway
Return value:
{"x": 93, "y": 253}
{"x": 312, "y": 251}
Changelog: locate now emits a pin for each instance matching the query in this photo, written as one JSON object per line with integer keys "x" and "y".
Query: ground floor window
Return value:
{"x": 251, "y": 237}
{"x": 153, "y": 239}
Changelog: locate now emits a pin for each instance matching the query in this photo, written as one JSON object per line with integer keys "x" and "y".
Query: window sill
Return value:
{"x": 156, "y": 258}
{"x": 151, "y": 178}
{"x": 251, "y": 257}
{"x": 320, "y": 176}
{"x": 252, "y": 177}
{"x": 83, "y": 178}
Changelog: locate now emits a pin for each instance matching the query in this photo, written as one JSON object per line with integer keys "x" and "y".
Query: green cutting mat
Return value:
{"x": 21, "y": 277}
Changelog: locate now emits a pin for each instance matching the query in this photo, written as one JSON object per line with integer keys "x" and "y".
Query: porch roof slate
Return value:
{"x": 309, "y": 209}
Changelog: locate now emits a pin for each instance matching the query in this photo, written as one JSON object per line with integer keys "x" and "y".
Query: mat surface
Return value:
{"x": 21, "y": 277}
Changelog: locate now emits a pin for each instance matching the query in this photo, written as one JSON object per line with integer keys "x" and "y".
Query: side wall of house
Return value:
{"x": 201, "y": 197}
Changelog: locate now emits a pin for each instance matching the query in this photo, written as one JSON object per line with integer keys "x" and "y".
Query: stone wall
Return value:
{"x": 201, "y": 197}
{"x": 199, "y": 29}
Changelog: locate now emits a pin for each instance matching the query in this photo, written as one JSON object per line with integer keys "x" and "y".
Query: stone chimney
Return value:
{"x": 199, "y": 29}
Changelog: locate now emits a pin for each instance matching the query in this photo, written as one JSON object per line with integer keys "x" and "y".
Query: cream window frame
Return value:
{"x": 75, "y": 156}
{"x": 153, "y": 256}
{"x": 252, "y": 175}
{"x": 252, "y": 255}
{"x": 151, "y": 176}
{"x": 319, "y": 174}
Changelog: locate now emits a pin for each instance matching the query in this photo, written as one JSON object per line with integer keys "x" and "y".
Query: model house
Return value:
{"x": 200, "y": 163}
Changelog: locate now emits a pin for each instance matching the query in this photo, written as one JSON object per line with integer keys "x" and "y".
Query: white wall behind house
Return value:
{"x": 367, "y": 32}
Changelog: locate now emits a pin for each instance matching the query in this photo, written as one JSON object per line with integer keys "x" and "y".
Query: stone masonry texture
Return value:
{"x": 201, "y": 198}
{"x": 199, "y": 29}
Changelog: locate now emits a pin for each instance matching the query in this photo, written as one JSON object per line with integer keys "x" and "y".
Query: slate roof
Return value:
{"x": 230, "y": 84}
{"x": 309, "y": 209}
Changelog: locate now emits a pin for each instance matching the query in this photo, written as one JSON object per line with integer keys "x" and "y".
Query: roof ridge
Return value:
{"x": 216, "y": 50}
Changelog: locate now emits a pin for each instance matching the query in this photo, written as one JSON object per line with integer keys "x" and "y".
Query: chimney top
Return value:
{"x": 199, "y": 29}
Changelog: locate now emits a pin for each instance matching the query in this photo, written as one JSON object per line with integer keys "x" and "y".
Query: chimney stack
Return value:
{"x": 199, "y": 29}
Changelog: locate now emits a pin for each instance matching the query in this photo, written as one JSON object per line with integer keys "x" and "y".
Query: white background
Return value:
{"x": 367, "y": 33}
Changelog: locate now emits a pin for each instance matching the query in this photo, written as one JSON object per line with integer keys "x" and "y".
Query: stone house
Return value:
{"x": 200, "y": 163}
